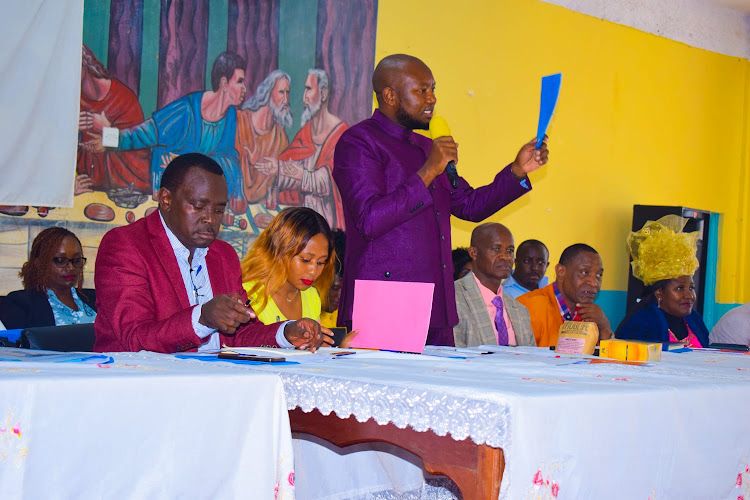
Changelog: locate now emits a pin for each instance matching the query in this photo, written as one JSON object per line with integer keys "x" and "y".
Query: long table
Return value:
{"x": 527, "y": 423}
{"x": 523, "y": 421}
{"x": 140, "y": 426}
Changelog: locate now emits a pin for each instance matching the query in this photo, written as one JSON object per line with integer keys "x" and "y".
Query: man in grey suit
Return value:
{"x": 487, "y": 315}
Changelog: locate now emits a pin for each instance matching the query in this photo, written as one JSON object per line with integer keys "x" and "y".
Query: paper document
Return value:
{"x": 550, "y": 93}
{"x": 392, "y": 315}
{"x": 55, "y": 357}
{"x": 292, "y": 355}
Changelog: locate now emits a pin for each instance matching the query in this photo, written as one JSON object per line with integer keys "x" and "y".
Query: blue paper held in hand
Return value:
{"x": 550, "y": 92}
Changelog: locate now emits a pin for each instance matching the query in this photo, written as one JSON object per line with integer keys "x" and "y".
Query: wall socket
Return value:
{"x": 110, "y": 137}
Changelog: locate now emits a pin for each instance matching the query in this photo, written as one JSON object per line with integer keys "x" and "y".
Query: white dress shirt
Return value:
{"x": 195, "y": 277}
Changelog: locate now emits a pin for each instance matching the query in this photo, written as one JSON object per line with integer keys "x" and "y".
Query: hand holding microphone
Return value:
{"x": 444, "y": 153}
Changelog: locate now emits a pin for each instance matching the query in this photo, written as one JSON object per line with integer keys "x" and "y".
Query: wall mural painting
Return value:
{"x": 225, "y": 85}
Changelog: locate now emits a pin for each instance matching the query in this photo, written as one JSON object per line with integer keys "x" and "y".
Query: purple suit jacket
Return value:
{"x": 398, "y": 229}
{"x": 141, "y": 299}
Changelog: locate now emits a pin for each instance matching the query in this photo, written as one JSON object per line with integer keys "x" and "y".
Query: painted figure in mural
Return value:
{"x": 261, "y": 136}
{"x": 306, "y": 166}
{"x": 201, "y": 122}
{"x": 123, "y": 175}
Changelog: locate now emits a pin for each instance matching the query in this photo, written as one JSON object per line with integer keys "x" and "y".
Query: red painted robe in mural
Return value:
{"x": 318, "y": 190}
{"x": 252, "y": 149}
{"x": 114, "y": 168}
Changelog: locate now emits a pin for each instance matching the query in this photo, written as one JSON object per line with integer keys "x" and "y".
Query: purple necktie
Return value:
{"x": 502, "y": 328}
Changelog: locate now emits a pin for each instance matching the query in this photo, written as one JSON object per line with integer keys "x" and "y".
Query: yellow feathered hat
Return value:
{"x": 660, "y": 250}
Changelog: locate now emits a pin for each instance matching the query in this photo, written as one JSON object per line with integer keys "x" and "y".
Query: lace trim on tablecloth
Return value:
{"x": 485, "y": 422}
{"x": 470, "y": 416}
{"x": 433, "y": 489}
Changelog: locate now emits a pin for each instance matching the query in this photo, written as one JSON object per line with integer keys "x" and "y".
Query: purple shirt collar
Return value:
{"x": 391, "y": 128}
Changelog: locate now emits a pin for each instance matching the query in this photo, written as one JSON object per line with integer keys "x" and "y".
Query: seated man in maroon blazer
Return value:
{"x": 166, "y": 284}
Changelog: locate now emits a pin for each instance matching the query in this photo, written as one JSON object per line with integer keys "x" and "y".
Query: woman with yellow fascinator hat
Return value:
{"x": 664, "y": 260}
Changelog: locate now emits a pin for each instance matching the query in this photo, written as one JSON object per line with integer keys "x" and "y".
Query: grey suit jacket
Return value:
{"x": 474, "y": 324}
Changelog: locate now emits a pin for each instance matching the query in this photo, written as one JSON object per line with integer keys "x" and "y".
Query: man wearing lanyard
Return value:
{"x": 166, "y": 284}
{"x": 570, "y": 297}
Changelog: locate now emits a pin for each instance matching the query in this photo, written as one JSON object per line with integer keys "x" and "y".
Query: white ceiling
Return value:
{"x": 721, "y": 26}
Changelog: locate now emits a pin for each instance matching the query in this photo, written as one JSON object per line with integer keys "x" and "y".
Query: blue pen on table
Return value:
{"x": 684, "y": 349}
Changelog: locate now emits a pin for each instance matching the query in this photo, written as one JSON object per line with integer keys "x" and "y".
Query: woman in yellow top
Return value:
{"x": 290, "y": 266}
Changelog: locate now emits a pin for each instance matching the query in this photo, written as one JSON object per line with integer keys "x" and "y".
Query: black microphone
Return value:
{"x": 452, "y": 173}
{"x": 439, "y": 128}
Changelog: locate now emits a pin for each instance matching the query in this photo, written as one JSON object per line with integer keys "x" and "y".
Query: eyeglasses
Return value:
{"x": 62, "y": 262}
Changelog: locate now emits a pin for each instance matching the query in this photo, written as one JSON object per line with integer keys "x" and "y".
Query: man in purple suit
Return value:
{"x": 398, "y": 199}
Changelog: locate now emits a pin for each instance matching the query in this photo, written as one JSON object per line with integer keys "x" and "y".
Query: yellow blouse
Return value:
{"x": 272, "y": 314}
{"x": 329, "y": 319}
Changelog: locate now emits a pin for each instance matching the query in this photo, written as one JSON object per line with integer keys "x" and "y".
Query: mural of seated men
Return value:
{"x": 123, "y": 175}
{"x": 200, "y": 122}
{"x": 261, "y": 136}
{"x": 306, "y": 166}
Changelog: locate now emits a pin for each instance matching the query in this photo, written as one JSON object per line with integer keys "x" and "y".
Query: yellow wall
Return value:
{"x": 640, "y": 120}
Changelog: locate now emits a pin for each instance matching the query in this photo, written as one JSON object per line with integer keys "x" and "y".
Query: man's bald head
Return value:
{"x": 483, "y": 230}
{"x": 405, "y": 89}
{"x": 492, "y": 252}
{"x": 390, "y": 71}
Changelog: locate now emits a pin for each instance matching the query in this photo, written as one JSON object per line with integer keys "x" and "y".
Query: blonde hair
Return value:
{"x": 267, "y": 262}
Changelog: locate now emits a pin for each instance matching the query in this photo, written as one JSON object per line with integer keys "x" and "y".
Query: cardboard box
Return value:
{"x": 577, "y": 337}
{"x": 630, "y": 350}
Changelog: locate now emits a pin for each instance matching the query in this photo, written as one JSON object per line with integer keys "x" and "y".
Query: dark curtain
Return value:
{"x": 183, "y": 41}
{"x": 345, "y": 49}
{"x": 125, "y": 42}
{"x": 253, "y": 33}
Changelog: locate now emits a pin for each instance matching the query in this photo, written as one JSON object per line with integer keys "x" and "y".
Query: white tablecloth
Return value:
{"x": 142, "y": 426}
{"x": 571, "y": 427}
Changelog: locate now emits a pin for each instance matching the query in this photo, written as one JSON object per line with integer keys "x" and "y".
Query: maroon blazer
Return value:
{"x": 141, "y": 300}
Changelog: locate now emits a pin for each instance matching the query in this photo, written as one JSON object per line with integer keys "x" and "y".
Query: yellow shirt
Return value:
{"x": 272, "y": 314}
{"x": 329, "y": 319}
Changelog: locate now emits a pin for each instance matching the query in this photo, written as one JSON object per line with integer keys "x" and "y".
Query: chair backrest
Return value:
{"x": 10, "y": 338}
{"x": 59, "y": 338}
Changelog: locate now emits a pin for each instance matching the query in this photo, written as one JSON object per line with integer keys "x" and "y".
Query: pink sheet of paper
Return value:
{"x": 392, "y": 315}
